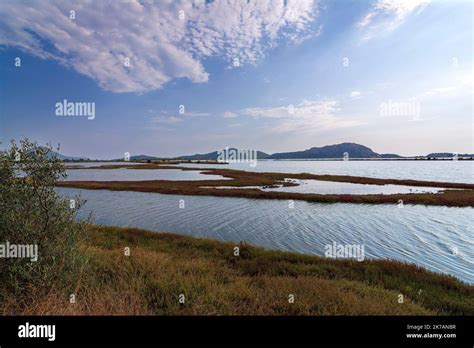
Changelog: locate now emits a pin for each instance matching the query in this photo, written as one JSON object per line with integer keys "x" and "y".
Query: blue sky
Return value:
{"x": 309, "y": 73}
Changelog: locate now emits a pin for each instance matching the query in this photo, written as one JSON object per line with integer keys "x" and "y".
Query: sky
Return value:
{"x": 169, "y": 78}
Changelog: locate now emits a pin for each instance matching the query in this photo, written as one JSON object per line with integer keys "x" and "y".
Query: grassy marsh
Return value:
{"x": 258, "y": 282}
{"x": 456, "y": 194}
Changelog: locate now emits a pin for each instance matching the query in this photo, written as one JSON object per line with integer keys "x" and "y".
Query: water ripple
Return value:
{"x": 438, "y": 238}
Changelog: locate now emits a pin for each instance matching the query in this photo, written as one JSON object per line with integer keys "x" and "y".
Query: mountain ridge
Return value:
{"x": 215, "y": 154}
{"x": 353, "y": 150}
{"x": 51, "y": 154}
{"x": 329, "y": 151}
{"x": 334, "y": 151}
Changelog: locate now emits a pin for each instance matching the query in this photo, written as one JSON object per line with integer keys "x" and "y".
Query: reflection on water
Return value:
{"x": 438, "y": 238}
{"x": 445, "y": 171}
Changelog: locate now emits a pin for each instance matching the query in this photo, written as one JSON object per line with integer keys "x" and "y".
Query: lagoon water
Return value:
{"x": 341, "y": 188}
{"x": 441, "y": 171}
{"x": 438, "y": 238}
{"x": 95, "y": 164}
{"x": 137, "y": 175}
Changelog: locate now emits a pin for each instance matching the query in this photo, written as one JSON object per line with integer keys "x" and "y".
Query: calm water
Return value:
{"x": 94, "y": 164}
{"x": 423, "y": 235}
{"x": 332, "y": 187}
{"x": 448, "y": 171}
{"x": 137, "y": 175}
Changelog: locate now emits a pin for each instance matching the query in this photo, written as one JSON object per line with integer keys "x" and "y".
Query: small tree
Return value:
{"x": 33, "y": 213}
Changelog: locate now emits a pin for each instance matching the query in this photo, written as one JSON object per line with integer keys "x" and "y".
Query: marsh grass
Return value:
{"x": 258, "y": 282}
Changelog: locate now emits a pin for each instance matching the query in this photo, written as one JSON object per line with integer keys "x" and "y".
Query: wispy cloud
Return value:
{"x": 308, "y": 116}
{"x": 229, "y": 114}
{"x": 307, "y": 108}
{"x": 165, "y": 120}
{"x": 137, "y": 46}
{"x": 196, "y": 114}
{"x": 386, "y": 15}
{"x": 461, "y": 85}
{"x": 355, "y": 95}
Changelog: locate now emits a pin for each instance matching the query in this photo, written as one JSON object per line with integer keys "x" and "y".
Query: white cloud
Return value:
{"x": 355, "y": 94}
{"x": 229, "y": 114}
{"x": 309, "y": 115}
{"x": 159, "y": 44}
{"x": 386, "y": 15}
{"x": 455, "y": 85}
{"x": 307, "y": 108}
{"x": 165, "y": 120}
{"x": 438, "y": 92}
{"x": 196, "y": 114}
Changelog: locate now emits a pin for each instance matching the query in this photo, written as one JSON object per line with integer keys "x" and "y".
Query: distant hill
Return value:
{"x": 52, "y": 154}
{"x": 143, "y": 158}
{"x": 214, "y": 155}
{"x": 390, "y": 155}
{"x": 138, "y": 158}
{"x": 325, "y": 152}
{"x": 329, "y": 151}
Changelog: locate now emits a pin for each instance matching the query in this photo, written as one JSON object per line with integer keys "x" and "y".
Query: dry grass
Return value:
{"x": 258, "y": 282}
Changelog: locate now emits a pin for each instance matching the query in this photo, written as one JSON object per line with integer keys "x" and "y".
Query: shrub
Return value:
{"x": 33, "y": 213}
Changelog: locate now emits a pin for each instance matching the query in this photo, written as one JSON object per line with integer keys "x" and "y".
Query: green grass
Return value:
{"x": 258, "y": 282}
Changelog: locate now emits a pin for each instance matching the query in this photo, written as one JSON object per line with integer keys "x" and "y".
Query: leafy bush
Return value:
{"x": 33, "y": 213}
